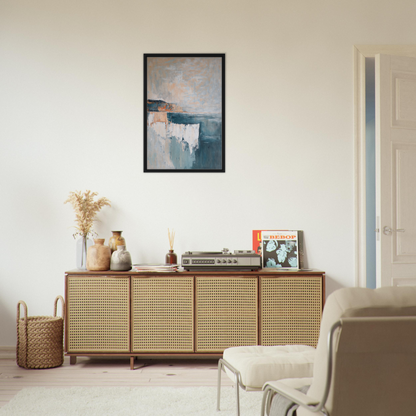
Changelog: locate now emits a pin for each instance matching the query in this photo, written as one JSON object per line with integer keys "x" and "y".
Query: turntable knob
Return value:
{"x": 225, "y": 250}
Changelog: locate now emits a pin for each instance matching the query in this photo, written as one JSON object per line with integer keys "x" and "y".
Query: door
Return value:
{"x": 162, "y": 314}
{"x": 290, "y": 309}
{"x": 396, "y": 170}
{"x": 98, "y": 314}
{"x": 226, "y": 312}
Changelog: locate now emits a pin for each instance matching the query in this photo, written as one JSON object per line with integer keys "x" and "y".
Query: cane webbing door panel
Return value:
{"x": 226, "y": 312}
{"x": 162, "y": 314}
{"x": 291, "y": 309}
{"x": 98, "y": 310}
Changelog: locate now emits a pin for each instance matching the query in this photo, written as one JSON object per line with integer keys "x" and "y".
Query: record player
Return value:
{"x": 240, "y": 260}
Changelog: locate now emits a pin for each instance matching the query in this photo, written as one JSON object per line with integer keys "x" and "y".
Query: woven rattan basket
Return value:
{"x": 40, "y": 338}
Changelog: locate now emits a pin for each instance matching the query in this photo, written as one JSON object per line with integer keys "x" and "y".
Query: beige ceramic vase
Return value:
{"x": 98, "y": 256}
{"x": 116, "y": 240}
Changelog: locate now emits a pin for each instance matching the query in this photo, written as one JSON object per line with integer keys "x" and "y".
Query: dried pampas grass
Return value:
{"x": 85, "y": 210}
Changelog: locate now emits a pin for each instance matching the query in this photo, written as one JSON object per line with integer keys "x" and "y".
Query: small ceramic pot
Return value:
{"x": 121, "y": 259}
{"x": 98, "y": 256}
{"x": 116, "y": 240}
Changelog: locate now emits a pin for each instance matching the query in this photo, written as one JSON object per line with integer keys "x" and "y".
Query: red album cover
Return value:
{"x": 257, "y": 241}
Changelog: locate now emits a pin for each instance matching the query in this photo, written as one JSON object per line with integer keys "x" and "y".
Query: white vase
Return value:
{"x": 120, "y": 259}
{"x": 81, "y": 252}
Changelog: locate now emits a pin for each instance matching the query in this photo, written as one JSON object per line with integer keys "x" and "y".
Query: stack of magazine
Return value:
{"x": 155, "y": 267}
{"x": 280, "y": 249}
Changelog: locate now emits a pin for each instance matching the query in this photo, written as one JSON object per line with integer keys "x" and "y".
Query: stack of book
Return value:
{"x": 155, "y": 267}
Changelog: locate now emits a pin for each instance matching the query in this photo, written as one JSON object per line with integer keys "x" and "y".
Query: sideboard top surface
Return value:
{"x": 262, "y": 272}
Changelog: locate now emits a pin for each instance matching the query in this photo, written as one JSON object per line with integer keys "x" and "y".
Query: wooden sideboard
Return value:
{"x": 189, "y": 313}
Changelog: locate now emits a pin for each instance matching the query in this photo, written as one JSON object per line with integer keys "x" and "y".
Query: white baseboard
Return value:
{"x": 7, "y": 352}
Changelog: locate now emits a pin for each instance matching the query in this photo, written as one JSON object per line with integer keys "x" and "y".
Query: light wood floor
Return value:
{"x": 109, "y": 372}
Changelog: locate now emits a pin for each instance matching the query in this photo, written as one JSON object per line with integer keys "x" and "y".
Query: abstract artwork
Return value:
{"x": 184, "y": 113}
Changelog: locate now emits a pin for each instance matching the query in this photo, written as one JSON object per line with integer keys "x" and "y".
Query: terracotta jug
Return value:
{"x": 98, "y": 256}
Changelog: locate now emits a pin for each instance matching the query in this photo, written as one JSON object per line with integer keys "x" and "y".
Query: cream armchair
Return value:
{"x": 365, "y": 362}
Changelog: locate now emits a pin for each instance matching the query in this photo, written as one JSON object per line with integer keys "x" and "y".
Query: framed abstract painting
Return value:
{"x": 184, "y": 113}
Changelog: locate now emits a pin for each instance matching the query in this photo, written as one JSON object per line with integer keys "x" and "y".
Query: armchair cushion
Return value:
{"x": 258, "y": 364}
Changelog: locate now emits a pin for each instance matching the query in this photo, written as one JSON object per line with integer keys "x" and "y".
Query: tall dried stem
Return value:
{"x": 86, "y": 210}
{"x": 171, "y": 236}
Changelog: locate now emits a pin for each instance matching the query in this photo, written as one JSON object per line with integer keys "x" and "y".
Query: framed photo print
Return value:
{"x": 184, "y": 113}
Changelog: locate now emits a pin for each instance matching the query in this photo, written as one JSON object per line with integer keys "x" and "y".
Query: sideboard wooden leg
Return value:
{"x": 72, "y": 359}
{"x": 131, "y": 363}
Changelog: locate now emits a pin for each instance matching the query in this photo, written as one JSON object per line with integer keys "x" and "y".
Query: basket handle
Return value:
{"x": 56, "y": 306}
{"x": 24, "y": 340}
{"x": 21, "y": 302}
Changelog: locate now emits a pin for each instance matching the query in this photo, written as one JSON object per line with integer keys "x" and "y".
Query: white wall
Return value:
{"x": 71, "y": 105}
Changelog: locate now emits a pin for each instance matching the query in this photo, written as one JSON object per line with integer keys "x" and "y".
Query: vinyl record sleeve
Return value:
{"x": 279, "y": 248}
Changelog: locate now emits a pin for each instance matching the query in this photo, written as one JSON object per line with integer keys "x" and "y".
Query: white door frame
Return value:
{"x": 360, "y": 53}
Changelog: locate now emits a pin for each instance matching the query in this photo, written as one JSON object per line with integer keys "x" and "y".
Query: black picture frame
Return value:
{"x": 184, "y": 112}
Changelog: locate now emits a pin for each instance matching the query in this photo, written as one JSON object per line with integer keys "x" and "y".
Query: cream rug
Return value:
{"x": 130, "y": 401}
